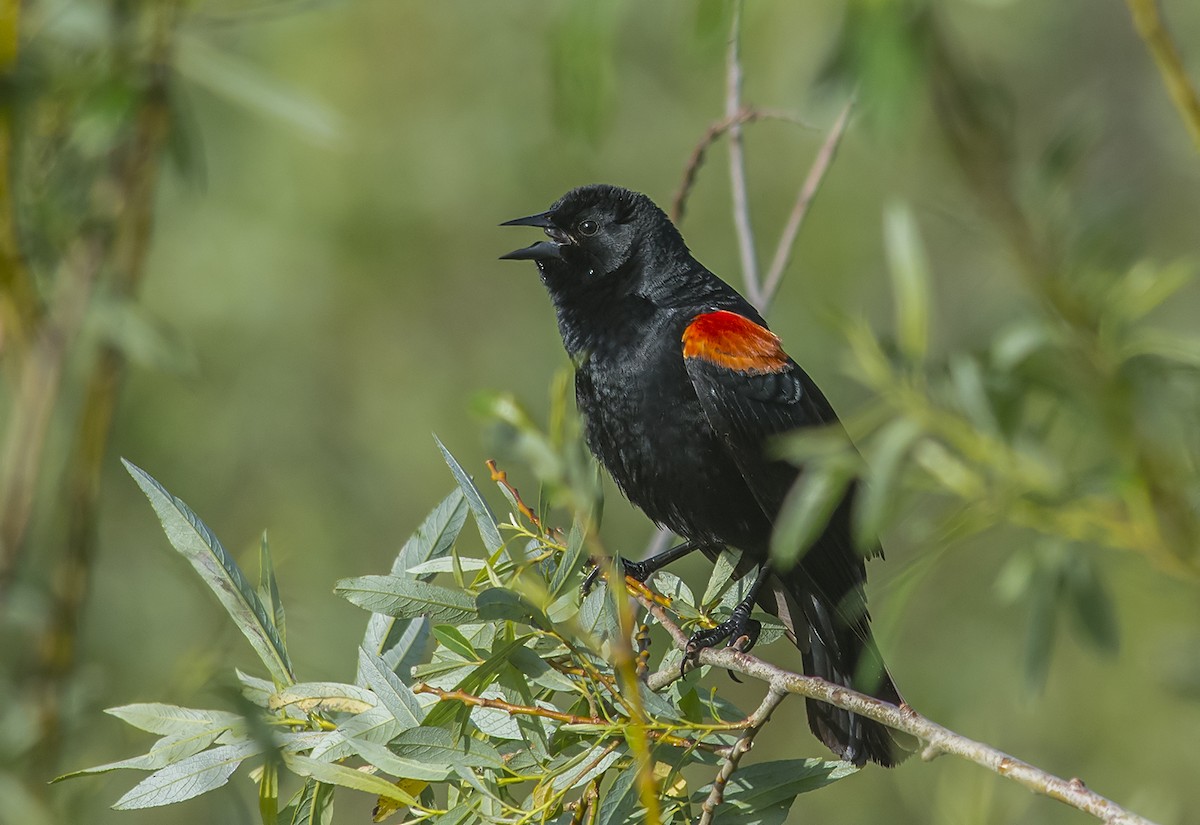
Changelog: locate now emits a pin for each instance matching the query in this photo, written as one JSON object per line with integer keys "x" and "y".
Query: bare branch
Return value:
{"x": 812, "y": 183}
{"x": 754, "y": 724}
{"x": 737, "y": 161}
{"x": 939, "y": 739}
{"x": 715, "y": 132}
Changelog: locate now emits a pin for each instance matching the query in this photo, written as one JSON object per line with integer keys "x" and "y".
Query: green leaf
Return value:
{"x": 876, "y": 499}
{"x": 451, "y": 639}
{"x": 166, "y": 751}
{"x": 377, "y": 724}
{"x": 407, "y": 598}
{"x": 1091, "y": 606}
{"x": 401, "y": 642}
{"x": 757, "y": 793}
{"x": 155, "y": 717}
{"x": 312, "y": 697}
{"x": 398, "y": 766}
{"x": 268, "y": 793}
{"x": 392, "y": 693}
{"x": 722, "y": 572}
{"x": 485, "y": 519}
{"x": 244, "y": 83}
{"x": 587, "y": 766}
{"x": 192, "y": 538}
{"x": 188, "y": 778}
{"x": 570, "y": 561}
{"x": 909, "y": 268}
{"x": 447, "y": 565}
{"x": 619, "y": 803}
{"x": 806, "y": 510}
{"x": 438, "y": 747}
{"x": 498, "y": 604}
{"x": 268, "y": 590}
{"x": 538, "y": 672}
{"x": 313, "y": 805}
{"x": 333, "y": 774}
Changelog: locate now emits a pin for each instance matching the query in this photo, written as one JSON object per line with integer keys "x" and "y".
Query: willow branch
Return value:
{"x": 938, "y": 739}
{"x": 812, "y": 184}
{"x": 737, "y": 159}
{"x": 1147, "y": 17}
{"x": 755, "y": 723}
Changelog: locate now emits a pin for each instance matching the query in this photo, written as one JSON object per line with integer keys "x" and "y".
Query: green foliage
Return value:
{"x": 515, "y": 713}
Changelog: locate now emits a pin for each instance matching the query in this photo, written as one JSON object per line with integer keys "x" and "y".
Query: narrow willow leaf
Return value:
{"x": 674, "y": 588}
{"x": 268, "y": 793}
{"x": 188, "y": 778}
{"x": 155, "y": 717}
{"x": 374, "y": 725}
{"x": 268, "y": 589}
{"x": 498, "y": 604}
{"x": 722, "y": 572}
{"x": 391, "y": 692}
{"x": 452, "y": 640}
{"x": 313, "y": 805}
{"x": 407, "y": 598}
{"x": 754, "y": 791}
{"x": 909, "y": 268}
{"x": 192, "y": 538}
{"x": 243, "y": 83}
{"x": 334, "y": 774}
{"x": 539, "y": 673}
{"x": 401, "y": 767}
{"x": 619, "y": 803}
{"x": 485, "y": 519}
{"x": 587, "y": 766}
{"x": 437, "y": 746}
{"x": 324, "y": 696}
{"x": 401, "y": 642}
{"x": 447, "y": 565}
{"x": 258, "y": 691}
{"x": 806, "y": 511}
{"x": 877, "y": 498}
{"x": 570, "y": 561}
{"x": 1091, "y": 606}
{"x": 167, "y": 750}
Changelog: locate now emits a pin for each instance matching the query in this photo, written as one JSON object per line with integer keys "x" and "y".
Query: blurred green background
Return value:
{"x": 322, "y": 293}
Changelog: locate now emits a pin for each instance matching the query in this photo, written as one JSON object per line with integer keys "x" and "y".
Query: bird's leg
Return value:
{"x": 738, "y": 626}
{"x": 641, "y": 570}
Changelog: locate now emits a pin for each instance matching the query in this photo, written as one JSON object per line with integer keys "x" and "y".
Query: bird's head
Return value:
{"x": 593, "y": 230}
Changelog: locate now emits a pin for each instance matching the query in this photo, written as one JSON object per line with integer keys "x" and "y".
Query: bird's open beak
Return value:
{"x": 542, "y": 250}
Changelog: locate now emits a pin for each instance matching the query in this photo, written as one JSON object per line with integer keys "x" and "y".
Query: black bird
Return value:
{"x": 681, "y": 386}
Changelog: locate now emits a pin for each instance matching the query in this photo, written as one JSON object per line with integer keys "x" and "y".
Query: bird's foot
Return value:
{"x": 636, "y": 570}
{"x": 741, "y": 631}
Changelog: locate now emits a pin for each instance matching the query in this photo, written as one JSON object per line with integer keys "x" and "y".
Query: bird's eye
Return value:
{"x": 589, "y": 228}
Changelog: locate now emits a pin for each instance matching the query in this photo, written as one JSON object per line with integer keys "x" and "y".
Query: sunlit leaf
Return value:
{"x": 188, "y": 778}
{"x": 192, "y": 538}
{"x": 334, "y": 774}
{"x": 485, "y": 519}
{"x": 407, "y": 598}
{"x": 909, "y": 268}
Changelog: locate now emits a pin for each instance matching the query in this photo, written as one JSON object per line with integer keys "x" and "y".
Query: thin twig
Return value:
{"x": 1147, "y": 17}
{"x": 812, "y": 183}
{"x": 756, "y": 721}
{"x": 716, "y": 131}
{"x": 1071, "y": 792}
{"x": 737, "y": 160}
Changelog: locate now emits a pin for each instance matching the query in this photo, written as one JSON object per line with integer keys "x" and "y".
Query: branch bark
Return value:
{"x": 939, "y": 739}
{"x": 737, "y": 160}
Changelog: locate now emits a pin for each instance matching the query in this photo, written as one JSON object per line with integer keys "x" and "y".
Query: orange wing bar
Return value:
{"x": 730, "y": 340}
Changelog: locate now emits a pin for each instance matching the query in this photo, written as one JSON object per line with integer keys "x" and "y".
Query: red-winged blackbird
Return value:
{"x": 681, "y": 387}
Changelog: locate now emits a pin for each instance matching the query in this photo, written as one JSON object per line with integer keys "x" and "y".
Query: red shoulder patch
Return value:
{"x": 732, "y": 341}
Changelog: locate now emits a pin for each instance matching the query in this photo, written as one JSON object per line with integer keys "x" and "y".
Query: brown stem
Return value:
{"x": 755, "y": 723}
{"x": 1072, "y": 792}
{"x": 812, "y": 184}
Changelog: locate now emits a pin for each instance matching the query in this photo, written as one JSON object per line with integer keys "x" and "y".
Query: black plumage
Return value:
{"x": 681, "y": 386}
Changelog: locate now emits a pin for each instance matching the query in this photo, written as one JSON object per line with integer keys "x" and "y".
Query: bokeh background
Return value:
{"x": 322, "y": 293}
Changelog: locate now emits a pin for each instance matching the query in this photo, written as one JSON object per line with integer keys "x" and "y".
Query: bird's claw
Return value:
{"x": 635, "y": 570}
{"x": 741, "y": 631}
